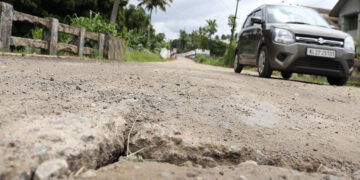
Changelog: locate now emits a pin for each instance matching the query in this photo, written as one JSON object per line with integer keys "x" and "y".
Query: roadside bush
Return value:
{"x": 217, "y": 47}
{"x": 35, "y": 33}
{"x": 205, "y": 60}
{"x": 93, "y": 23}
{"x": 229, "y": 55}
{"x": 134, "y": 40}
{"x": 201, "y": 59}
{"x": 357, "y": 47}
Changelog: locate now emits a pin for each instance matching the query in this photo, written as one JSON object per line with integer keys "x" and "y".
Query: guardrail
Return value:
{"x": 194, "y": 53}
{"x": 108, "y": 46}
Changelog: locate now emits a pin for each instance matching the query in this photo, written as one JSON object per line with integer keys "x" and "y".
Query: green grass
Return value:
{"x": 313, "y": 79}
{"x": 249, "y": 68}
{"x": 141, "y": 56}
{"x": 205, "y": 60}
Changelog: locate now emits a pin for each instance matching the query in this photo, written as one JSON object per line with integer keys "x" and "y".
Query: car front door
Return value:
{"x": 244, "y": 45}
{"x": 256, "y": 36}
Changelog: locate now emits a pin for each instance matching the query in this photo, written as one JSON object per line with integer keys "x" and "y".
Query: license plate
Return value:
{"x": 321, "y": 53}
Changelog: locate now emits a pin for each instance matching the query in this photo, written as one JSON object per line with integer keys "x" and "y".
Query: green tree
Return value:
{"x": 203, "y": 39}
{"x": 61, "y": 8}
{"x": 182, "y": 40}
{"x": 230, "y": 51}
{"x": 133, "y": 18}
{"x": 200, "y": 39}
{"x": 231, "y": 21}
{"x": 211, "y": 27}
{"x": 151, "y": 5}
{"x": 232, "y": 24}
{"x": 194, "y": 40}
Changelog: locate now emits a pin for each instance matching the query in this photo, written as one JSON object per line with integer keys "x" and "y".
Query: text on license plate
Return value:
{"x": 321, "y": 53}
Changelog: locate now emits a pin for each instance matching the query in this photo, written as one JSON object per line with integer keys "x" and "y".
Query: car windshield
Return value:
{"x": 295, "y": 15}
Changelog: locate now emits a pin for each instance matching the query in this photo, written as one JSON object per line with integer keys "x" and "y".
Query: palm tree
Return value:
{"x": 150, "y": 5}
{"x": 115, "y": 9}
{"x": 211, "y": 27}
{"x": 183, "y": 38}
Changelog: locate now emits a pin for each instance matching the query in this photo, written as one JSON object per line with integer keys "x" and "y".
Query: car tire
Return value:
{"x": 286, "y": 75}
{"x": 237, "y": 67}
{"x": 337, "y": 81}
{"x": 263, "y": 63}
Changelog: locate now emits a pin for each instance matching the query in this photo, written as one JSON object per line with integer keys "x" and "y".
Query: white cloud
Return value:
{"x": 191, "y": 14}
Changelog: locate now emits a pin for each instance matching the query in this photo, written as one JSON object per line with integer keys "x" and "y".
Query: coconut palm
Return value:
{"x": 151, "y": 5}
{"x": 211, "y": 27}
{"x": 115, "y": 9}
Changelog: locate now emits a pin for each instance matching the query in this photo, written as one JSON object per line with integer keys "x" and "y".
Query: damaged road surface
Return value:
{"x": 172, "y": 120}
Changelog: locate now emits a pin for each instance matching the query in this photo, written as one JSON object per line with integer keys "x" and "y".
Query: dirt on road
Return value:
{"x": 172, "y": 120}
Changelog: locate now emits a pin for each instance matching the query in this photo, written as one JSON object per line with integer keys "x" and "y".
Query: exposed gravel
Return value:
{"x": 190, "y": 115}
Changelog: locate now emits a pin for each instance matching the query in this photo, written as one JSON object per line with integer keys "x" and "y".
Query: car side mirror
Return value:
{"x": 256, "y": 20}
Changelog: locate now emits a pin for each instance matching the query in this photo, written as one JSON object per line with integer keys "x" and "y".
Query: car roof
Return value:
{"x": 289, "y": 5}
{"x": 265, "y": 5}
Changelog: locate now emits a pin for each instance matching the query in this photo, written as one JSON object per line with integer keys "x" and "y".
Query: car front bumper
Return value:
{"x": 293, "y": 58}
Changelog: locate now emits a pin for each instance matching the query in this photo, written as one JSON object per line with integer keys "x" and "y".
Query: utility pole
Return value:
{"x": 234, "y": 25}
{"x": 232, "y": 34}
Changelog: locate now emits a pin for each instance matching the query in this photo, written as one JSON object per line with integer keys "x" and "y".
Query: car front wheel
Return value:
{"x": 237, "y": 67}
{"x": 337, "y": 81}
{"x": 263, "y": 63}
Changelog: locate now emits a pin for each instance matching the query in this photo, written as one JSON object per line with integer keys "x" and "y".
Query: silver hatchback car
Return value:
{"x": 294, "y": 39}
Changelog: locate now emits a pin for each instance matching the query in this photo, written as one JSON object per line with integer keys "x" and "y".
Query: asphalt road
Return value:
{"x": 194, "y": 121}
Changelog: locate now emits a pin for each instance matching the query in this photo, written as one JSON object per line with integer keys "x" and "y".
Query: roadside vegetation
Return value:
{"x": 222, "y": 52}
{"x": 128, "y": 22}
{"x": 207, "y": 60}
{"x": 141, "y": 56}
{"x": 357, "y": 48}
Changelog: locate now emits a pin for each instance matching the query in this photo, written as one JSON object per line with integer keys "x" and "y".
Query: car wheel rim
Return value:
{"x": 236, "y": 63}
{"x": 261, "y": 61}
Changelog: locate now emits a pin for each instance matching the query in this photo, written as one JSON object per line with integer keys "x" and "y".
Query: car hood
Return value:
{"x": 313, "y": 30}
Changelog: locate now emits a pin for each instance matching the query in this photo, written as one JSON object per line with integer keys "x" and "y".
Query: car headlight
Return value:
{"x": 349, "y": 43}
{"x": 284, "y": 36}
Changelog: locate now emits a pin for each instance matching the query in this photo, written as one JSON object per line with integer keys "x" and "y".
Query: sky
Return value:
{"x": 191, "y": 14}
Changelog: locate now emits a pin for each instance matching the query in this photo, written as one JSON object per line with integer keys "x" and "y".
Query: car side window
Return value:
{"x": 259, "y": 14}
{"x": 248, "y": 21}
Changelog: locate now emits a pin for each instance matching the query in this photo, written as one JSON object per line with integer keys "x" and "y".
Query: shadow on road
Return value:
{"x": 293, "y": 80}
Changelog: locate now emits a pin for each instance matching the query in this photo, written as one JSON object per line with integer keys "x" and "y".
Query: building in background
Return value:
{"x": 332, "y": 21}
{"x": 348, "y": 12}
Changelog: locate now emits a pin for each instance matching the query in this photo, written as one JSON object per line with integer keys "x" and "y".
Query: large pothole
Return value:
{"x": 106, "y": 141}
{"x": 156, "y": 143}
